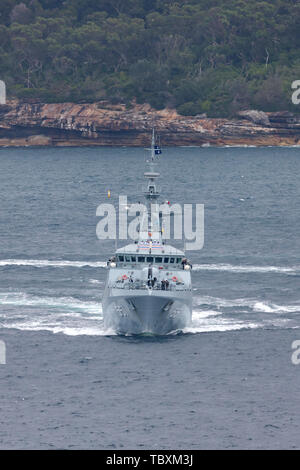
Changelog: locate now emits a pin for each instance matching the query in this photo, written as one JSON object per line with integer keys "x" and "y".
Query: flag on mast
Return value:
{"x": 157, "y": 150}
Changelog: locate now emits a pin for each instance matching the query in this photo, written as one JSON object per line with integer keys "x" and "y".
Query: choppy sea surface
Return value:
{"x": 227, "y": 381}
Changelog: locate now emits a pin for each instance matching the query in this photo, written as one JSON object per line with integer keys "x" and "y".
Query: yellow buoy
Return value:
{"x": 108, "y": 193}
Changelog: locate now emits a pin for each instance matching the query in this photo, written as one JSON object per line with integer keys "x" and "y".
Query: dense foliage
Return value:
{"x": 200, "y": 56}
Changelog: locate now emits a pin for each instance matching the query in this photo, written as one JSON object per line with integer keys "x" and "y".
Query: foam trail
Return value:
{"x": 66, "y": 330}
{"x": 212, "y": 321}
{"x": 65, "y": 315}
{"x": 74, "y": 317}
{"x": 255, "y": 305}
{"x": 246, "y": 269}
{"x": 48, "y": 303}
{"x": 44, "y": 263}
{"x": 273, "y": 308}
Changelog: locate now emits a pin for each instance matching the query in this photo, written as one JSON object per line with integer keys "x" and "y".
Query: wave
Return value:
{"x": 66, "y": 330}
{"x": 66, "y": 315}
{"x": 247, "y": 268}
{"x": 273, "y": 308}
{"x": 239, "y": 146}
{"x": 207, "y": 321}
{"x": 255, "y": 305}
{"x": 95, "y": 281}
{"x": 42, "y": 263}
{"x": 59, "y": 303}
{"x": 243, "y": 314}
{"x": 75, "y": 317}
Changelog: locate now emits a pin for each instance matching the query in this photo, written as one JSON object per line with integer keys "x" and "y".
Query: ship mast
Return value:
{"x": 151, "y": 195}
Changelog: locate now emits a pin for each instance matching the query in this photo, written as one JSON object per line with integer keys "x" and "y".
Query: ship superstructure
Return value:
{"x": 148, "y": 288}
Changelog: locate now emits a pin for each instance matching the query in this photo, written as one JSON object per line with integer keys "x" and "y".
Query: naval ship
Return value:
{"x": 148, "y": 287}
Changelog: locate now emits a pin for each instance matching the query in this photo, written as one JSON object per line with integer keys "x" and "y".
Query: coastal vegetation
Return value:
{"x": 198, "y": 56}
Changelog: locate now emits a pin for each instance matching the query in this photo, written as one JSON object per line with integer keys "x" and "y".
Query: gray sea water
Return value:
{"x": 226, "y": 382}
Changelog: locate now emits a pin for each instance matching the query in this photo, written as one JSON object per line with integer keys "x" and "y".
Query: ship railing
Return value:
{"x": 143, "y": 286}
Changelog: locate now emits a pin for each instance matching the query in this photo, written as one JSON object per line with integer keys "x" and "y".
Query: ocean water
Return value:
{"x": 225, "y": 382}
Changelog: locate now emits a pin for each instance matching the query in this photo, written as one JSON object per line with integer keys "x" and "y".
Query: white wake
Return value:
{"x": 222, "y": 267}
{"x": 73, "y": 317}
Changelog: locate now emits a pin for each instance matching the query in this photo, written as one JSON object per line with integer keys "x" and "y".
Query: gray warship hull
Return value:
{"x": 135, "y": 312}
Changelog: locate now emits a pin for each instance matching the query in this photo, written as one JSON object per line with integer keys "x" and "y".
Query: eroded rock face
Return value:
{"x": 258, "y": 117}
{"x": 66, "y": 124}
{"x": 39, "y": 140}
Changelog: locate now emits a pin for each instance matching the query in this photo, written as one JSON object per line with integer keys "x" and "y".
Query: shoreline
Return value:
{"x": 36, "y": 124}
{"x": 88, "y": 145}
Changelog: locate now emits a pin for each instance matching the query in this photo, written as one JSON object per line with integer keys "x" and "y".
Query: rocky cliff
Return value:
{"x": 68, "y": 124}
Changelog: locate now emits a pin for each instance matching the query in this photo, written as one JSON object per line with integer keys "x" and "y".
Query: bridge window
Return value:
{"x": 149, "y": 259}
{"x": 178, "y": 260}
{"x": 166, "y": 260}
{"x": 158, "y": 260}
{"x": 121, "y": 258}
{"x": 141, "y": 259}
{"x": 172, "y": 260}
{"x": 133, "y": 259}
{"x": 128, "y": 259}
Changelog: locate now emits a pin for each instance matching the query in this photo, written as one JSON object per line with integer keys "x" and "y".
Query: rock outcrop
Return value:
{"x": 69, "y": 124}
{"x": 258, "y": 117}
